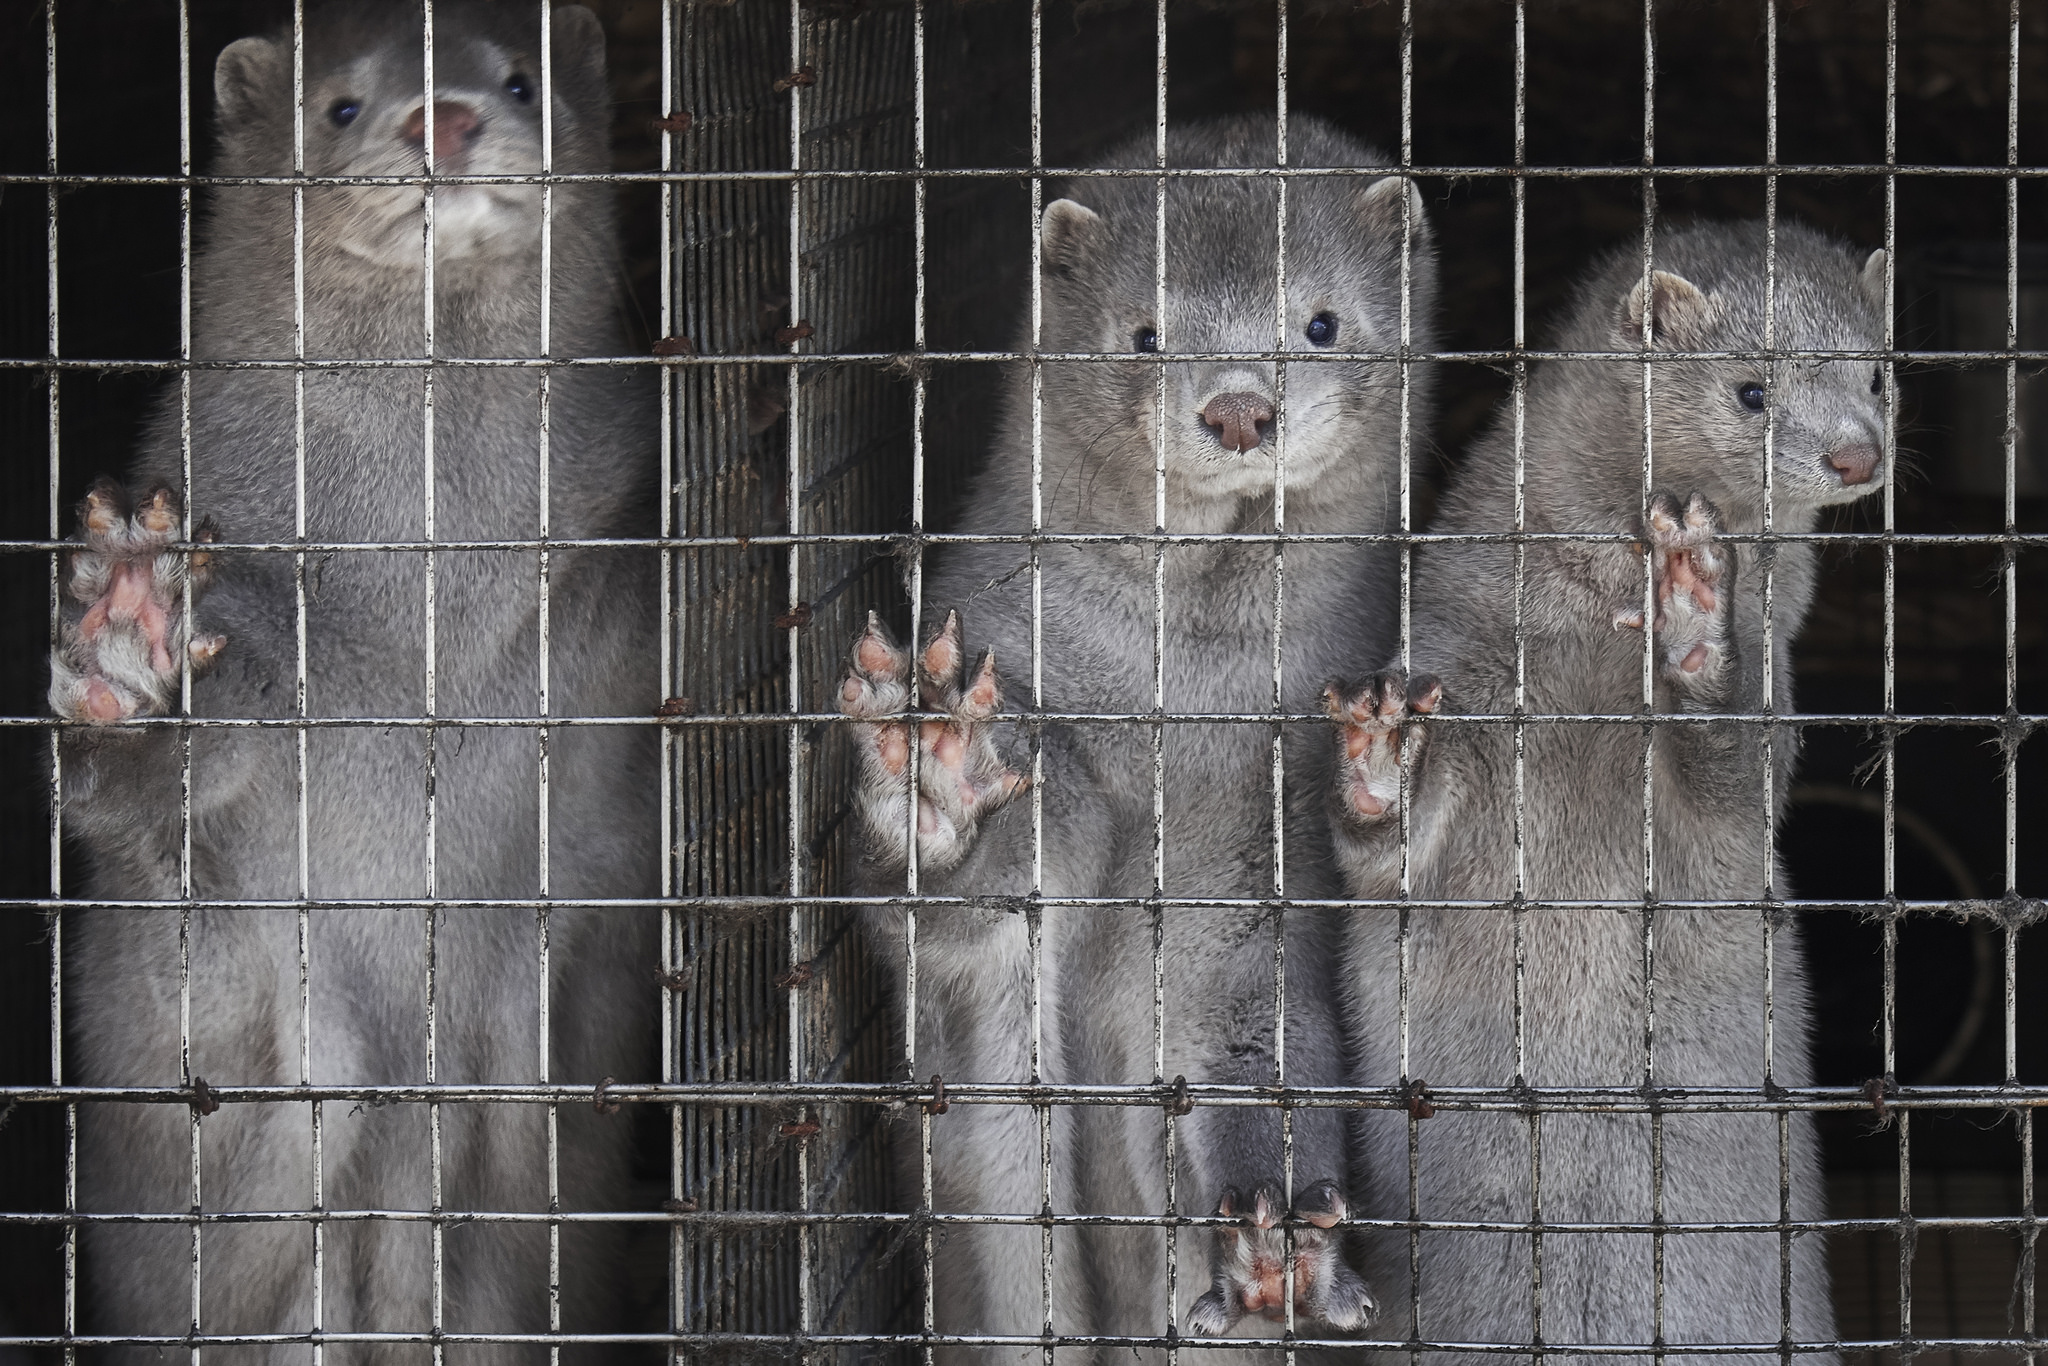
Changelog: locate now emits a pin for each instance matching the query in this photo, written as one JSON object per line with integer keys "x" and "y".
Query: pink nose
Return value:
{"x": 454, "y": 126}
{"x": 1856, "y": 463}
{"x": 1239, "y": 419}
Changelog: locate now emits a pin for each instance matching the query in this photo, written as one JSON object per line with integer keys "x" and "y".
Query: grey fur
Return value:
{"x": 1583, "y": 813}
{"x": 1343, "y": 454}
{"x": 365, "y": 631}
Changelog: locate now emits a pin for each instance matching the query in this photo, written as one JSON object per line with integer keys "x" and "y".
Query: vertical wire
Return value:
{"x": 1159, "y": 555}
{"x": 1279, "y": 763}
{"x": 1649, "y": 931}
{"x": 918, "y": 397}
{"x": 2009, "y": 567}
{"x": 185, "y": 605}
{"x": 53, "y": 436}
{"x": 1768, "y": 555}
{"x": 1520, "y": 888}
{"x": 912, "y": 870}
{"x": 669, "y": 380}
{"x": 1162, "y": 340}
{"x": 301, "y": 803}
{"x": 436, "y": 1229}
{"x": 2023, "y": 1118}
{"x": 543, "y": 867}
{"x": 1406, "y": 947}
{"x": 793, "y": 1001}
{"x": 1891, "y": 735}
{"x": 1035, "y": 922}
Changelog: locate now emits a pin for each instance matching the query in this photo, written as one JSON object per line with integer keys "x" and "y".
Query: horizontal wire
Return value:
{"x": 2007, "y": 909}
{"x": 898, "y": 539}
{"x": 1474, "y": 1099}
{"x": 1024, "y": 175}
{"x": 1893, "y": 721}
{"x": 751, "y": 1219}
{"x": 908, "y": 362}
{"x": 789, "y": 1341}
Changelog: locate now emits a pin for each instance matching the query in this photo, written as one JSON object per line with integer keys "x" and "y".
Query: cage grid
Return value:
{"x": 786, "y": 1240}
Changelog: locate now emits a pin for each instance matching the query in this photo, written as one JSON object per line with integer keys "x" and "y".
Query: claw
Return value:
{"x": 984, "y": 696}
{"x": 159, "y": 513}
{"x": 101, "y": 512}
{"x": 942, "y": 656}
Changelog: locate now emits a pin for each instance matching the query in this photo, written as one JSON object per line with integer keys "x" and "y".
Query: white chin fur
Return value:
{"x": 1829, "y": 492}
{"x": 470, "y": 221}
{"x": 1250, "y": 474}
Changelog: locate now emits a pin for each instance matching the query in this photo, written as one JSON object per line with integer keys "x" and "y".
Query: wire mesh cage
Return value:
{"x": 830, "y": 217}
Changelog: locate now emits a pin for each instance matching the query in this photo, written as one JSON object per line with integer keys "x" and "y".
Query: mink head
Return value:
{"x": 365, "y": 114}
{"x": 1821, "y": 420}
{"x": 1223, "y": 418}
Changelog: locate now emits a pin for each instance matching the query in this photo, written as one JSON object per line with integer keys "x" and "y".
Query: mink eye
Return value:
{"x": 1752, "y": 395}
{"x": 1145, "y": 339}
{"x": 519, "y": 87}
{"x": 344, "y": 113}
{"x": 1322, "y": 329}
{"x": 1877, "y": 381}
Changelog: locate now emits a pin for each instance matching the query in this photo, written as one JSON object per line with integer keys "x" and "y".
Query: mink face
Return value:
{"x": 1821, "y": 420}
{"x": 365, "y": 115}
{"x": 1225, "y": 419}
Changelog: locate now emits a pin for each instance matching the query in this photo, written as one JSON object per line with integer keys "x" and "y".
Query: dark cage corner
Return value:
{"x": 826, "y": 212}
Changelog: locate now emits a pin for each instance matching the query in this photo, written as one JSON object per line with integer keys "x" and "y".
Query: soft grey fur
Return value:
{"x": 365, "y": 637}
{"x": 1343, "y": 454}
{"x": 1582, "y": 812}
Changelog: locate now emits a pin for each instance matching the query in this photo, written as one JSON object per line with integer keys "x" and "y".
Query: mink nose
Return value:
{"x": 455, "y": 127}
{"x": 1856, "y": 463}
{"x": 1239, "y": 419}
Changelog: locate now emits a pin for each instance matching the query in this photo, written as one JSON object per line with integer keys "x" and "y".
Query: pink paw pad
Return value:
{"x": 1253, "y": 1260}
{"x": 1374, "y": 724}
{"x": 960, "y": 779}
{"x": 1690, "y": 569}
{"x": 124, "y": 656}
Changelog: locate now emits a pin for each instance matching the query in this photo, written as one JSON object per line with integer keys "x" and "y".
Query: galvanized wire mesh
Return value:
{"x": 842, "y": 254}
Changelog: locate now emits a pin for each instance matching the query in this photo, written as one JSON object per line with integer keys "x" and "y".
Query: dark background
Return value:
{"x": 118, "y": 283}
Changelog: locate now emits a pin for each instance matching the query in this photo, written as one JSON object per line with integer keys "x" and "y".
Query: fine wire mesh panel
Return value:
{"x": 768, "y": 451}
{"x": 820, "y": 459}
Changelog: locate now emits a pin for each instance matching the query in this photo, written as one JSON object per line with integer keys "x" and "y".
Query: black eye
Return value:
{"x": 344, "y": 113}
{"x": 1752, "y": 396}
{"x": 1145, "y": 339}
{"x": 519, "y": 87}
{"x": 1877, "y": 381}
{"x": 1322, "y": 329}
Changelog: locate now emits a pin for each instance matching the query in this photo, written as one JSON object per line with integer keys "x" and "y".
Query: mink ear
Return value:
{"x": 1679, "y": 314}
{"x": 1068, "y": 235}
{"x": 576, "y": 47}
{"x": 1872, "y": 277}
{"x": 1382, "y": 207}
{"x": 248, "y": 76}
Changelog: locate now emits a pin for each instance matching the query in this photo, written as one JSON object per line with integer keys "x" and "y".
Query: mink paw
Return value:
{"x": 1373, "y": 724}
{"x": 1250, "y": 1273}
{"x": 961, "y": 778}
{"x": 123, "y": 657}
{"x": 1690, "y": 568}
